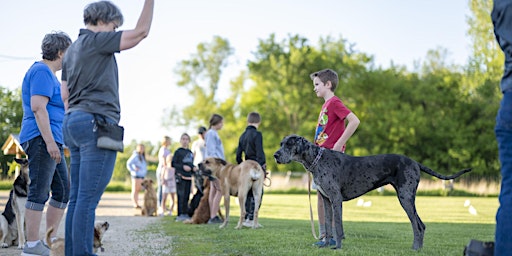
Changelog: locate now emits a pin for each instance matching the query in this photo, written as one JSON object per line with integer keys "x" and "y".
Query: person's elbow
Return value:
{"x": 131, "y": 38}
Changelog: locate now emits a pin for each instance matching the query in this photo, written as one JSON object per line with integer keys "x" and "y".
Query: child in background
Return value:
{"x": 168, "y": 180}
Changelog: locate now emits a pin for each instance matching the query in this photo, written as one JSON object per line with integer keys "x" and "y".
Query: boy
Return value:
{"x": 251, "y": 143}
{"x": 331, "y": 132}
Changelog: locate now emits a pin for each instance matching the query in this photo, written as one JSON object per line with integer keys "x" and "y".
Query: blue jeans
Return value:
{"x": 503, "y": 237}
{"x": 45, "y": 174}
{"x": 91, "y": 171}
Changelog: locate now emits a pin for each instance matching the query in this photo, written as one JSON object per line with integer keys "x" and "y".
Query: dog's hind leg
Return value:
{"x": 4, "y": 227}
{"x": 257, "y": 192}
{"x": 242, "y": 197}
{"x": 407, "y": 200}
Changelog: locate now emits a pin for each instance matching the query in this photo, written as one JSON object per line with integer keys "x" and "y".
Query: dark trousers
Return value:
{"x": 183, "y": 191}
{"x": 249, "y": 205}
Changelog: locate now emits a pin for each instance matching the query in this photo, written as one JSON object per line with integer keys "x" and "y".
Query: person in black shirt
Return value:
{"x": 182, "y": 162}
{"x": 251, "y": 144}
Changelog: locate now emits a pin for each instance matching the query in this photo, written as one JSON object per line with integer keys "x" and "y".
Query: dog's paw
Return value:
{"x": 5, "y": 245}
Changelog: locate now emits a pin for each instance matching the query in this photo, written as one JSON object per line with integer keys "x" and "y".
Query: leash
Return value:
{"x": 315, "y": 162}
{"x": 311, "y": 208}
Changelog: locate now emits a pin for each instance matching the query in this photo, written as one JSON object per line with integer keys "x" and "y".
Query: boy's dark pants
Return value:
{"x": 249, "y": 205}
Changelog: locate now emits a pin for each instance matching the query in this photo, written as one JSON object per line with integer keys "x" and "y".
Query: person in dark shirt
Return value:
{"x": 251, "y": 144}
{"x": 182, "y": 162}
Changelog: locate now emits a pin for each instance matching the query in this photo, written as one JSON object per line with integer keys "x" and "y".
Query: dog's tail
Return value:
{"x": 440, "y": 176}
{"x": 257, "y": 173}
{"x": 48, "y": 237}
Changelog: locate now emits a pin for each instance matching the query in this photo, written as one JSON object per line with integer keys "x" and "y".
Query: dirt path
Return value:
{"x": 122, "y": 237}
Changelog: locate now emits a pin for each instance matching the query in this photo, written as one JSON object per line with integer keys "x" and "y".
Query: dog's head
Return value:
{"x": 23, "y": 162}
{"x": 100, "y": 227}
{"x": 291, "y": 149}
{"x": 210, "y": 167}
{"x": 198, "y": 180}
{"x": 147, "y": 184}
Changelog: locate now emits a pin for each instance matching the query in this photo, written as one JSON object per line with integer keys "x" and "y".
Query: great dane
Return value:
{"x": 341, "y": 177}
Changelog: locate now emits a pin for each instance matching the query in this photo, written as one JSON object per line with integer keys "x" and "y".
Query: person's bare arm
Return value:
{"x": 64, "y": 94}
{"x": 131, "y": 38}
{"x": 38, "y": 105}
{"x": 353, "y": 123}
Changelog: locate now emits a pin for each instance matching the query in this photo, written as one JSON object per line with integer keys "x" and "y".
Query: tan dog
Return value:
{"x": 236, "y": 180}
{"x": 57, "y": 245}
{"x": 149, "y": 208}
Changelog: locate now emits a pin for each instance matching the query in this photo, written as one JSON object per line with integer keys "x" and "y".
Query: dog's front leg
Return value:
{"x": 328, "y": 220}
{"x": 226, "y": 206}
{"x": 338, "y": 221}
{"x": 20, "y": 220}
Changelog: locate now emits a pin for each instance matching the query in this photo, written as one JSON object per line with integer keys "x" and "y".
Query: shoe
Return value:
{"x": 137, "y": 207}
{"x": 215, "y": 220}
{"x": 39, "y": 250}
{"x": 182, "y": 217}
{"x": 249, "y": 223}
{"x": 322, "y": 242}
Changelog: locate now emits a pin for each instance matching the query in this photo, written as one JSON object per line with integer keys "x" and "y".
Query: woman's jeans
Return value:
{"x": 503, "y": 238}
{"x": 91, "y": 171}
{"x": 45, "y": 175}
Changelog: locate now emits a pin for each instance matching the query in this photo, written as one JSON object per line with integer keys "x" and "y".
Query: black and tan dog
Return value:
{"x": 236, "y": 180}
{"x": 341, "y": 177}
{"x": 149, "y": 208}
{"x": 12, "y": 220}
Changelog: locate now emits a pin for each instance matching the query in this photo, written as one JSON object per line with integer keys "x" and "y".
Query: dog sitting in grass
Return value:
{"x": 150, "y": 206}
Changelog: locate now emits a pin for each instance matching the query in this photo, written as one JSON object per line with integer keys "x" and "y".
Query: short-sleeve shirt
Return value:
{"x": 90, "y": 69}
{"x": 331, "y": 123}
{"x": 40, "y": 80}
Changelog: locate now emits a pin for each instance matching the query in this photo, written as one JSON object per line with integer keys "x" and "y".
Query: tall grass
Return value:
{"x": 381, "y": 229}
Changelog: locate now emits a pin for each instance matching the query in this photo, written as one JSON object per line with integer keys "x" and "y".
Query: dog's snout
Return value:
{"x": 277, "y": 154}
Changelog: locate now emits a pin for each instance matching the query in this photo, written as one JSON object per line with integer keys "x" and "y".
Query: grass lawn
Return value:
{"x": 381, "y": 229}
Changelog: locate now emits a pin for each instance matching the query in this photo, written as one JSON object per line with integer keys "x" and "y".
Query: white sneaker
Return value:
{"x": 250, "y": 223}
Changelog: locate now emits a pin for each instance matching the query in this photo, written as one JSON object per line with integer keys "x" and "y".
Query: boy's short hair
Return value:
{"x": 253, "y": 118}
{"x": 326, "y": 75}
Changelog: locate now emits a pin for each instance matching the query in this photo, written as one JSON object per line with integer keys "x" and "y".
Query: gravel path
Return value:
{"x": 123, "y": 237}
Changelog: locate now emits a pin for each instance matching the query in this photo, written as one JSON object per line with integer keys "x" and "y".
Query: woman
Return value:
{"x": 183, "y": 162}
{"x": 163, "y": 152}
{"x": 41, "y": 139}
{"x": 214, "y": 148}
{"x": 137, "y": 166}
{"x": 90, "y": 90}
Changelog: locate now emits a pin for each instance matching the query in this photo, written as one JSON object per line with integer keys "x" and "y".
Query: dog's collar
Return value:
{"x": 317, "y": 158}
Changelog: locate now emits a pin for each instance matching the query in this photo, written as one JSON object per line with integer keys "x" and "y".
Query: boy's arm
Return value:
{"x": 260, "y": 154}
{"x": 353, "y": 123}
{"x": 239, "y": 152}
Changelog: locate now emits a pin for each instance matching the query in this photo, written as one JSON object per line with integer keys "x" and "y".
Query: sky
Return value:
{"x": 397, "y": 31}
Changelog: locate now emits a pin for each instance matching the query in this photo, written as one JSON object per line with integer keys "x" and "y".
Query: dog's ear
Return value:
{"x": 221, "y": 161}
{"x": 21, "y": 161}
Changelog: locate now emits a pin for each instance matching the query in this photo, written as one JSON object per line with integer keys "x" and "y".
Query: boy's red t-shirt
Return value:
{"x": 331, "y": 123}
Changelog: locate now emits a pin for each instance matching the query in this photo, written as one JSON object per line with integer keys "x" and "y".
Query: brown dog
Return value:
{"x": 202, "y": 212}
{"x": 57, "y": 245}
{"x": 236, "y": 180}
{"x": 149, "y": 208}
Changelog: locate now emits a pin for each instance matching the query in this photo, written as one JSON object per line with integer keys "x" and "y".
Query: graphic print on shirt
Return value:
{"x": 320, "y": 135}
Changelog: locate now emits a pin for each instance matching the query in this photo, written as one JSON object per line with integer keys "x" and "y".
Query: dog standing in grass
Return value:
{"x": 236, "y": 180}
{"x": 341, "y": 177}
{"x": 150, "y": 206}
{"x": 12, "y": 220}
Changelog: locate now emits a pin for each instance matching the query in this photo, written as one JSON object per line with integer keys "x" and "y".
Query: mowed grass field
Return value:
{"x": 380, "y": 229}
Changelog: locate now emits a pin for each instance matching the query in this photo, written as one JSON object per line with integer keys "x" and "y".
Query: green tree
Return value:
{"x": 11, "y": 114}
